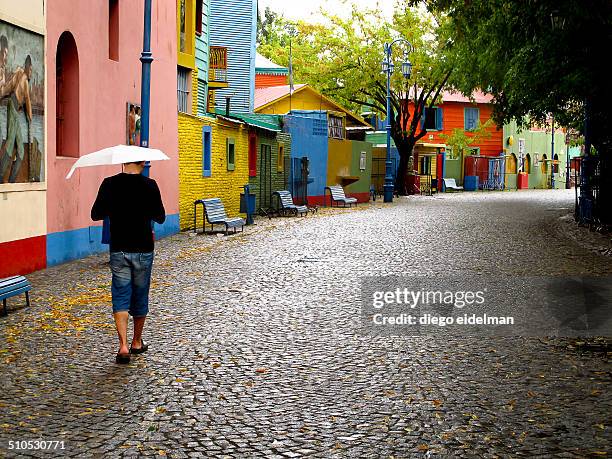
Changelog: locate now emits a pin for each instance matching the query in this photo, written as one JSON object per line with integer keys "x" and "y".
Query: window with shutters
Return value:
{"x": 206, "y": 151}
{"x": 433, "y": 119}
{"x": 280, "y": 161}
{"x": 231, "y": 154}
{"x": 253, "y": 155}
{"x": 335, "y": 126}
{"x": 198, "y": 17}
{"x": 183, "y": 80}
{"x": 471, "y": 118}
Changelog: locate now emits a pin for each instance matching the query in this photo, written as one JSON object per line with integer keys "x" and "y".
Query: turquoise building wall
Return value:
{"x": 202, "y": 56}
{"x": 234, "y": 25}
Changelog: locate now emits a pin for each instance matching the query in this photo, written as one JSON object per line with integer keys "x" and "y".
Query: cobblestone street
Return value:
{"x": 256, "y": 348}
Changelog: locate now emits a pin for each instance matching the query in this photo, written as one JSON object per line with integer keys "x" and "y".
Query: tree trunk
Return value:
{"x": 405, "y": 150}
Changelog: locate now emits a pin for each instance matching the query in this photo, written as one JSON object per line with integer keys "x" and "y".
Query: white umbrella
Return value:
{"x": 118, "y": 154}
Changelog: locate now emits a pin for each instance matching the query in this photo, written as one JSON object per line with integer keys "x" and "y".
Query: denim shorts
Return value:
{"x": 131, "y": 282}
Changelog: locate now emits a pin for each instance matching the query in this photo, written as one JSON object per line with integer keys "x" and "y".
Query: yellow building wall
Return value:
{"x": 222, "y": 183}
{"x": 302, "y": 100}
{"x": 339, "y": 160}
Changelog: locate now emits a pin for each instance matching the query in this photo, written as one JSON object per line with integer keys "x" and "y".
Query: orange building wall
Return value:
{"x": 453, "y": 117}
{"x": 263, "y": 80}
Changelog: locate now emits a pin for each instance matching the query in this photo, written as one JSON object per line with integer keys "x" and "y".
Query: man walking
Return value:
{"x": 131, "y": 201}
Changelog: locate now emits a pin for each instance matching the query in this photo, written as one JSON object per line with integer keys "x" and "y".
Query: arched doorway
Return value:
{"x": 544, "y": 165}
{"x": 527, "y": 166}
{"x": 67, "y": 97}
{"x": 511, "y": 164}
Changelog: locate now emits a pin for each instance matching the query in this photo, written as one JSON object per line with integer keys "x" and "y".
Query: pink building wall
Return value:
{"x": 105, "y": 87}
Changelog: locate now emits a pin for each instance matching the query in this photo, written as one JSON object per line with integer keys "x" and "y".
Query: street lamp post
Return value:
{"x": 388, "y": 68}
{"x": 552, "y": 155}
{"x": 146, "y": 58}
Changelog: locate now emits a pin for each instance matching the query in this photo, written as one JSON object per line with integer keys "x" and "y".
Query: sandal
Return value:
{"x": 122, "y": 358}
{"x": 140, "y": 350}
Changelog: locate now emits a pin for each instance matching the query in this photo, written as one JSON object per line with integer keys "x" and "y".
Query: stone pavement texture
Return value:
{"x": 256, "y": 349}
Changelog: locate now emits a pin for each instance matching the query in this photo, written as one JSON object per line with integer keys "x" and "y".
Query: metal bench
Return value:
{"x": 13, "y": 286}
{"x": 450, "y": 184}
{"x": 286, "y": 205}
{"x": 336, "y": 194}
{"x": 214, "y": 213}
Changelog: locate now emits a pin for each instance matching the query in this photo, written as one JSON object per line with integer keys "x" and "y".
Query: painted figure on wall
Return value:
{"x": 22, "y": 93}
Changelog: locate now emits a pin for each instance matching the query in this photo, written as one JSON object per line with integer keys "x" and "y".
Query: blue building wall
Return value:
{"x": 71, "y": 245}
{"x": 202, "y": 57}
{"x": 233, "y": 24}
{"x": 308, "y": 131}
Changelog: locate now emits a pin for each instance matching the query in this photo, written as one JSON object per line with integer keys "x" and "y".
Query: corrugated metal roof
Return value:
{"x": 258, "y": 120}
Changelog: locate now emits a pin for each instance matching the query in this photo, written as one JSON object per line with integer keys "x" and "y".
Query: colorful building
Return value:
{"x": 456, "y": 111}
{"x": 268, "y": 74}
{"x": 23, "y": 165}
{"x": 75, "y": 49}
{"x": 90, "y": 46}
{"x": 269, "y": 153}
{"x": 213, "y": 149}
{"x": 530, "y": 161}
{"x": 432, "y": 157}
{"x": 329, "y": 136}
{"x": 233, "y": 33}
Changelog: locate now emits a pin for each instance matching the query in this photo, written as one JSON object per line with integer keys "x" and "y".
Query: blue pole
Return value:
{"x": 145, "y": 90}
{"x": 388, "y": 186}
{"x": 552, "y": 156}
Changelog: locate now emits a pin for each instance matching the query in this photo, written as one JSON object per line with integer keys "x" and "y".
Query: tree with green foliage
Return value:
{"x": 459, "y": 140}
{"x": 342, "y": 59}
{"x": 539, "y": 58}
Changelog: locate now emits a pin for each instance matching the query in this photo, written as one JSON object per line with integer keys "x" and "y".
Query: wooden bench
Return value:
{"x": 214, "y": 213}
{"x": 13, "y": 286}
{"x": 287, "y": 207}
{"x": 336, "y": 194}
{"x": 450, "y": 184}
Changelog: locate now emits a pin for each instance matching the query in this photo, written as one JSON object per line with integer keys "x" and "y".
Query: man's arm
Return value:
{"x": 100, "y": 209}
{"x": 26, "y": 91}
{"x": 158, "y": 213}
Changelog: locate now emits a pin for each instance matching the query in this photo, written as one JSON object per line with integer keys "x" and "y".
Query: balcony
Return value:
{"x": 217, "y": 74}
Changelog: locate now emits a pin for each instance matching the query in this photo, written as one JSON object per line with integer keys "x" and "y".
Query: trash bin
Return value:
{"x": 247, "y": 204}
{"x": 470, "y": 183}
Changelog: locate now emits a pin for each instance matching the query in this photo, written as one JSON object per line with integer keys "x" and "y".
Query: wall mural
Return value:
{"x": 22, "y": 111}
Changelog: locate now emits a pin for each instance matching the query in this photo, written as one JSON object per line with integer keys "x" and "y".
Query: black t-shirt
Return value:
{"x": 131, "y": 201}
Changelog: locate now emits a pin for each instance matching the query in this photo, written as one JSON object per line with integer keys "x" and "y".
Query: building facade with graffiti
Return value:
{"x": 23, "y": 171}
{"x": 83, "y": 59}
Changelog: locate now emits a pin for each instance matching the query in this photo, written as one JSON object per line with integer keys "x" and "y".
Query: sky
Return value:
{"x": 309, "y": 9}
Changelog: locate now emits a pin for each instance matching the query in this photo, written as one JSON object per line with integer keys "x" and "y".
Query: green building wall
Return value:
{"x": 537, "y": 144}
{"x": 275, "y": 177}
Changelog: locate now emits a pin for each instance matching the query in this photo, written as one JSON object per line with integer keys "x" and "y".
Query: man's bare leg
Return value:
{"x": 138, "y": 326}
{"x": 121, "y": 322}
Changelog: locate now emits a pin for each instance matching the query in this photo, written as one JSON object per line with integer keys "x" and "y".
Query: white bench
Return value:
{"x": 450, "y": 184}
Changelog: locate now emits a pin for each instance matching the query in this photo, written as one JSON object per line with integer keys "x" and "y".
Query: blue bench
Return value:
{"x": 336, "y": 194}
{"x": 286, "y": 205}
{"x": 214, "y": 213}
{"x": 13, "y": 286}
